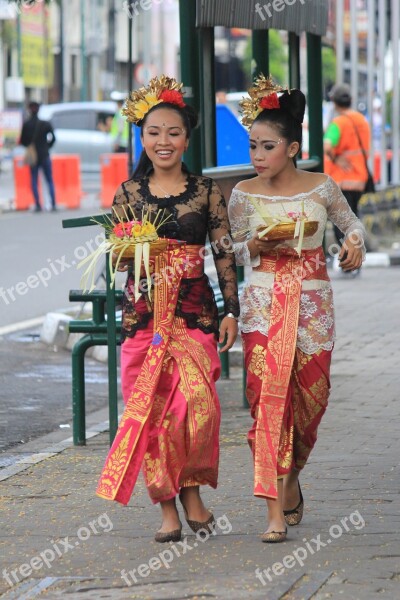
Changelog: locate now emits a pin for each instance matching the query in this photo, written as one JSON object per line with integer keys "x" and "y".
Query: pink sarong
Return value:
{"x": 193, "y": 363}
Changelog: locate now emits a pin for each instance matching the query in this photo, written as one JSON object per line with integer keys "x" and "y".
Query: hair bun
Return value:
{"x": 294, "y": 102}
{"x": 191, "y": 115}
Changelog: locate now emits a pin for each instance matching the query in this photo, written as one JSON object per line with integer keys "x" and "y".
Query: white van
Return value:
{"x": 81, "y": 128}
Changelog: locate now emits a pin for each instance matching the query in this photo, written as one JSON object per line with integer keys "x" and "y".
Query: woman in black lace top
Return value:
{"x": 169, "y": 359}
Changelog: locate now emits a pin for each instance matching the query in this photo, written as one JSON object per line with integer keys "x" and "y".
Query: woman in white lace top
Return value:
{"x": 287, "y": 318}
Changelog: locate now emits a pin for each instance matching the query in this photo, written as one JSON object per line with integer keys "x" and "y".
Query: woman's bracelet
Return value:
{"x": 232, "y": 316}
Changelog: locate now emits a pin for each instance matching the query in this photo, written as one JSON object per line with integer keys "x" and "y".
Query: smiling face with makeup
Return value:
{"x": 164, "y": 138}
{"x": 270, "y": 153}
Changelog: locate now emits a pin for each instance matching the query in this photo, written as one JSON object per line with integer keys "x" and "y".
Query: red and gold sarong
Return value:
{"x": 290, "y": 270}
{"x": 134, "y": 443}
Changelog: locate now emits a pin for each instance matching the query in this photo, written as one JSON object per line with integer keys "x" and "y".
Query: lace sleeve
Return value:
{"x": 220, "y": 237}
{"x": 121, "y": 205}
{"x": 240, "y": 210}
{"x": 340, "y": 212}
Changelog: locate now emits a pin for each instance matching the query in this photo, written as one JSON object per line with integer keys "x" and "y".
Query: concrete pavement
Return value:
{"x": 58, "y": 538}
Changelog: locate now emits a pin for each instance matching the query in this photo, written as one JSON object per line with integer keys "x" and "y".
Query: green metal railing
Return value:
{"x": 103, "y": 329}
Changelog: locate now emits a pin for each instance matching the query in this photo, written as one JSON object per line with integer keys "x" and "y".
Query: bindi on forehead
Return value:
{"x": 164, "y": 125}
{"x": 267, "y": 141}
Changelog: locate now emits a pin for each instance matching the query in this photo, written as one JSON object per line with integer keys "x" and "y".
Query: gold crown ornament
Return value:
{"x": 160, "y": 89}
{"x": 263, "y": 95}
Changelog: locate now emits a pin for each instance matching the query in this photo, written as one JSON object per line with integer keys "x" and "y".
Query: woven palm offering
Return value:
{"x": 127, "y": 239}
{"x": 285, "y": 226}
{"x": 287, "y": 231}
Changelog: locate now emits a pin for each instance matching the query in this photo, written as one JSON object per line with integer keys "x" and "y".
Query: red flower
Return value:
{"x": 173, "y": 97}
{"x": 122, "y": 230}
{"x": 270, "y": 101}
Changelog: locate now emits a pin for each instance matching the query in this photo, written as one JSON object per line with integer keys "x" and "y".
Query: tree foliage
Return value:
{"x": 328, "y": 66}
{"x": 277, "y": 58}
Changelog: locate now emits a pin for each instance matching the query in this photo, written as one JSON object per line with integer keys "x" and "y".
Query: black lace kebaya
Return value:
{"x": 199, "y": 211}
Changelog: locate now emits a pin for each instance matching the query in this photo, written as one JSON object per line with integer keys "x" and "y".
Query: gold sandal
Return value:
{"x": 169, "y": 536}
{"x": 294, "y": 516}
{"x": 274, "y": 537}
{"x": 199, "y": 526}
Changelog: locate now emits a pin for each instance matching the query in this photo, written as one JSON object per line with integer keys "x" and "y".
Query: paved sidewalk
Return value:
{"x": 58, "y": 538}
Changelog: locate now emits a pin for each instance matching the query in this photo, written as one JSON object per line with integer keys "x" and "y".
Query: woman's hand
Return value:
{"x": 228, "y": 328}
{"x": 123, "y": 263}
{"x": 343, "y": 163}
{"x": 257, "y": 245}
{"x": 351, "y": 254}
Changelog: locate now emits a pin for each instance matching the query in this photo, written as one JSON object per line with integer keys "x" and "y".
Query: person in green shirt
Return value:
{"x": 120, "y": 130}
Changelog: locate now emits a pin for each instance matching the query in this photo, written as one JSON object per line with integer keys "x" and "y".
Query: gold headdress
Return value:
{"x": 264, "y": 94}
{"x": 160, "y": 89}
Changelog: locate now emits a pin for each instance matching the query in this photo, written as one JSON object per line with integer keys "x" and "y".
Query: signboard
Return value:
{"x": 36, "y": 47}
{"x": 10, "y": 127}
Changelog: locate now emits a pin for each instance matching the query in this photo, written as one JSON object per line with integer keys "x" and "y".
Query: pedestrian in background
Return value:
{"x": 286, "y": 308}
{"x": 119, "y": 126}
{"x": 41, "y": 135}
{"x": 346, "y": 147}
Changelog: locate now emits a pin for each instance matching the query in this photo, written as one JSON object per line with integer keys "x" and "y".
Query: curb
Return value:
{"x": 373, "y": 260}
{"x": 394, "y": 260}
{"x": 381, "y": 259}
{"x": 26, "y": 460}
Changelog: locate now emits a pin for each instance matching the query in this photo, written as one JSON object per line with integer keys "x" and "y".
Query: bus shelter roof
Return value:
{"x": 297, "y": 16}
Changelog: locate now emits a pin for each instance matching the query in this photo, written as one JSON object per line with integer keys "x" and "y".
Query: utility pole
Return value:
{"x": 395, "y": 20}
{"x": 83, "y": 52}
{"x": 371, "y": 48}
{"x": 354, "y": 54}
{"x": 61, "y": 88}
{"x": 190, "y": 65}
{"x": 339, "y": 40}
{"x": 382, "y": 46}
{"x": 111, "y": 45}
{"x": 2, "y": 77}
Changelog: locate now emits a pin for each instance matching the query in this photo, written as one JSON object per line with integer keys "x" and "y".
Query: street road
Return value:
{"x": 38, "y": 259}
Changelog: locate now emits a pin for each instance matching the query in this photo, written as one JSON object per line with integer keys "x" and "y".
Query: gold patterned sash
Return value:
{"x": 290, "y": 270}
{"x": 126, "y": 454}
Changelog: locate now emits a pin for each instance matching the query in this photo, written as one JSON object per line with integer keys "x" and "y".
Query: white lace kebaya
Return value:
{"x": 316, "y": 315}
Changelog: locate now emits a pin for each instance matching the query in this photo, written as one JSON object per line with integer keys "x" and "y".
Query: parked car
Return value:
{"x": 81, "y": 128}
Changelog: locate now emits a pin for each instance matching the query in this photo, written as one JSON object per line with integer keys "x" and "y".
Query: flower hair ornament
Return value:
{"x": 267, "y": 95}
{"x": 160, "y": 89}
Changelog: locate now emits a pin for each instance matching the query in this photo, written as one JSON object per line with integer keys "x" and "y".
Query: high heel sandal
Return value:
{"x": 198, "y": 526}
{"x": 169, "y": 536}
{"x": 294, "y": 516}
{"x": 274, "y": 537}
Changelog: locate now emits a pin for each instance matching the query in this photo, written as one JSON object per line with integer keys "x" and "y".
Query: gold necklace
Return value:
{"x": 166, "y": 194}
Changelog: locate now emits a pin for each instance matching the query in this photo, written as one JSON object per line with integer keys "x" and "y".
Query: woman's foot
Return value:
{"x": 171, "y": 527}
{"x": 291, "y": 496}
{"x": 197, "y": 516}
{"x": 274, "y": 537}
{"x": 293, "y": 499}
{"x": 276, "y": 530}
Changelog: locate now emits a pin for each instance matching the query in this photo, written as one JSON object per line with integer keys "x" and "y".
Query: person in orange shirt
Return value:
{"x": 346, "y": 143}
